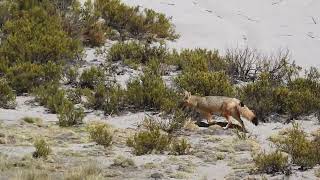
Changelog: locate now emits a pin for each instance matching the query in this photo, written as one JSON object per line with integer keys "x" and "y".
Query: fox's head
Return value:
{"x": 186, "y": 101}
{"x": 249, "y": 114}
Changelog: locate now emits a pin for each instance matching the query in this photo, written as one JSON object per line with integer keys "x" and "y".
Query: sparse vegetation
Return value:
{"x": 136, "y": 53}
{"x": 131, "y": 22}
{"x": 7, "y": 96}
{"x": 70, "y": 115}
{"x": 271, "y": 163}
{"x": 303, "y": 152}
{"x": 149, "y": 141}
{"x": 101, "y": 133}
{"x": 206, "y": 83}
{"x": 32, "y": 120}
{"x": 90, "y": 78}
{"x": 89, "y": 171}
{"x": 42, "y": 149}
{"x": 180, "y": 147}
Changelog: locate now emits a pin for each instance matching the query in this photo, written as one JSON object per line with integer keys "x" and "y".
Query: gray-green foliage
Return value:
{"x": 271, "y": 163}
{"x": 42, "y": 148}
{"x": 101, "y": 133}
{"x": 131, "y": 22}
{"x": 7, "y": 96}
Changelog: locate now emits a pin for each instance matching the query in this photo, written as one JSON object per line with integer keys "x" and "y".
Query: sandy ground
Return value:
{"x": 216, "y": 153}
{"x": 265, "y": 25}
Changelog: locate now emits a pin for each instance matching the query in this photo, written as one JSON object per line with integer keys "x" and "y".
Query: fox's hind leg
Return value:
{"x": 209, "y": 118}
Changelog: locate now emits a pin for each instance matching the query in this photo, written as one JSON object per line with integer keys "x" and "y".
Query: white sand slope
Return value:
{"x": 263, "y": 24}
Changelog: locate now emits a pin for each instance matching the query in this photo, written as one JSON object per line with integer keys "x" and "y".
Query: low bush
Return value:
{"x": 115, "y": 101}
{"x": 130, "y": 22}
{"x": 71, "y": 75}
{"x": 206, "y": 83}
{"x": 101, "y": 133}
{"x": 7, "y": 95}
{"x": 194, "y": 60}
{"x": 90, "y": 78}
{"x": 44, "y": 40}
{"x": 32, "y": 120}
{"x": 50, "y": 96}
{"x": 23, "y": 77}
{"x": 149, "y": 92}
{"x": 303, "y": 152}
{"x": 260, "y": 96}
{"x": 180, "y": 147}
{"x": 70, "y": 115}
{"x": 149, "y": 141}
{"x": 135, "y": 52}
{"x": 271, "y": 163}
{"x": 110, "y": 99}
{"x": 42, "y": 149}
{"x": 74, "y": 95}
{"x": 95, "y": 34}
{"x": 296, "y": 98}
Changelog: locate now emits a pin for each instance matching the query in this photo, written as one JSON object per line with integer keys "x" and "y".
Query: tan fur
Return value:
{"x": 225, "y": 106}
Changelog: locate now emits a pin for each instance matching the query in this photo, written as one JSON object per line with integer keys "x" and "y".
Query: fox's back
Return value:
{"x": 214, "y": 103}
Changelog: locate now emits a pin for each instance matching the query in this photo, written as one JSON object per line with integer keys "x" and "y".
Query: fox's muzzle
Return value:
{"x": 255, "y": 121}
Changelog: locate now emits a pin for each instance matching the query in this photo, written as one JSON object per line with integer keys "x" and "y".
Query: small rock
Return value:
{"x": 3, "y": 141}
{"x": 2, "y": 135}
{"x": 11, "y": 139}
{"x": 157, "y": 175}
{"x": 215, "y": 127}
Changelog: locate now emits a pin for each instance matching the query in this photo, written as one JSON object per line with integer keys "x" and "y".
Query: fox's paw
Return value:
{"x": 225, "y": 127}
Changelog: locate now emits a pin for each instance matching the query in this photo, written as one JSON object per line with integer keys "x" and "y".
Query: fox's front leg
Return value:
{"x": 229, "y": 122}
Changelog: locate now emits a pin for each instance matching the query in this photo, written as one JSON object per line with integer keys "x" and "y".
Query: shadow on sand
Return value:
{"x": 222, "y": 124}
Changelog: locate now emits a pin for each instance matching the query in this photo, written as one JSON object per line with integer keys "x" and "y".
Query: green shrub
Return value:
{"x": 96, "y": 99}
{"x": 23, "y": 77}
{"x": 149, "y": 92}
{"x": 206, "y": 83}
{"x": 180, "y": 147}
{"x": 95, "y": 34}
{"x": 194, "y": 60}
{"x": 70, "y": 115}
{"x": 135, "y": 52}
{"x": 37, "y": 36}
{"x": 304, "y": 97}
{"x": 101, "y": 133}
{"x": 92, "y": 77}
{"x": 260, "y": 95}
{"x": 130, "y": 22}
{"x": 298, "y": 97}
{"x": 271, "y": 163}
{"x": 303, "y": 152}
{"x": 50, "y": 96}
{"x": 74, "y": 95}
{"x": 149, "y": 141}
{"x": 116, "y": 100}
{"x": 32, "y": 120}
{"x": 42, "y": 149}
{"x": 72, "y": 75}
{"x": 111, "y": 99}
{"x": 7, "y": 96}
